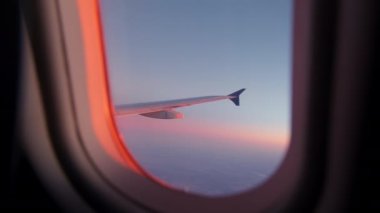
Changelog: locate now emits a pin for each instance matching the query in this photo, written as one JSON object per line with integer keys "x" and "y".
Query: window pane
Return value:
{"x": 173, "y": 49}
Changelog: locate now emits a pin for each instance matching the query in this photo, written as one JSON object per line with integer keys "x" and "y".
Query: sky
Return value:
{"x": 169, "y": 49}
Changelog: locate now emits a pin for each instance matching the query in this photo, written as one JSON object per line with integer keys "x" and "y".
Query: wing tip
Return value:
{"x": 235, "y": 96}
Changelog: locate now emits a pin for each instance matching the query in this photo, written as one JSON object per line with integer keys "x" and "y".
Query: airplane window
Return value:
{"x": 178, "y": 70}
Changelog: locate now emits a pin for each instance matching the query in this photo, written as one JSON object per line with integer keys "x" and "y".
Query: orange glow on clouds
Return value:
{"x": 268, "y": 139}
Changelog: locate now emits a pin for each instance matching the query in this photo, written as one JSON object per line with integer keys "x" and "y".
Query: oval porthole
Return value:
{"x": 176, "y": 72}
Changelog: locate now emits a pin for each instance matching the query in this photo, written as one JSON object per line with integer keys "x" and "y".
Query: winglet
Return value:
{"x": 234, "y": 97}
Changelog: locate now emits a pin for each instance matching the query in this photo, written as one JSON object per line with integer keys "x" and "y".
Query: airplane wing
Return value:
{"x": 164, "y": 109}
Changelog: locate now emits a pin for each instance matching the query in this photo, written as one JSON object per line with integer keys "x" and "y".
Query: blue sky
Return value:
{"x": 176, "y": 49}
{"x": 160, "y": 50}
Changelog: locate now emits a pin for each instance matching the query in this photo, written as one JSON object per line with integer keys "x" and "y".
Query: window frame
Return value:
{"x": 83, "y": 134}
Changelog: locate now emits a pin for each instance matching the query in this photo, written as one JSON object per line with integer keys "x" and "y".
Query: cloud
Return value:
{"x": 272, "y": 139}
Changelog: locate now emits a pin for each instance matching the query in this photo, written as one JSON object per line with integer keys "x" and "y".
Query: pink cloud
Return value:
{"x": 272, "y": 139}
